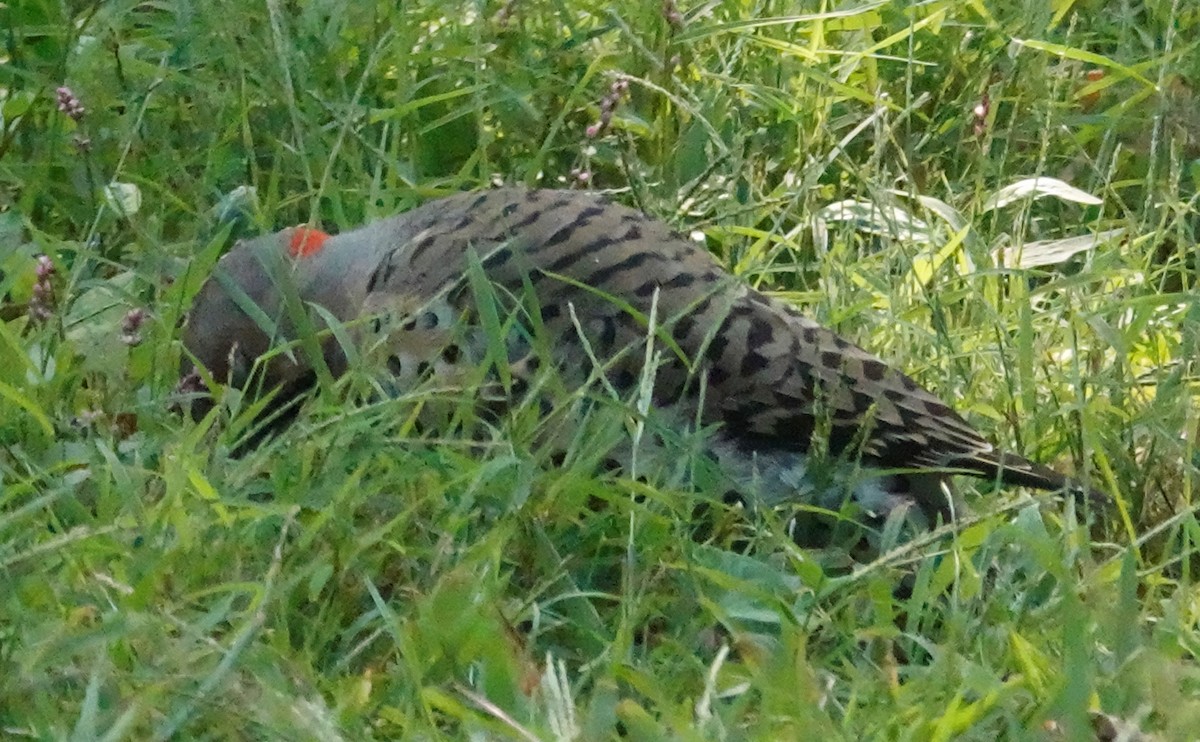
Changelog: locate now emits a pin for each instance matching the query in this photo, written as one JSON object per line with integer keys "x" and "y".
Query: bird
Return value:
{"x": 600, "y": 283}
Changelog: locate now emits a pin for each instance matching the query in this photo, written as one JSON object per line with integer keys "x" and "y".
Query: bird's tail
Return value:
{"x": 1015, "y": 470}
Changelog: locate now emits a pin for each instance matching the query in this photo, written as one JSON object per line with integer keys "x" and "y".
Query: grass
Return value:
{"x": 353, "y": 579}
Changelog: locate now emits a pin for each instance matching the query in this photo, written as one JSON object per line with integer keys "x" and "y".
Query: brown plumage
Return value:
{"x": 770, "y": 378}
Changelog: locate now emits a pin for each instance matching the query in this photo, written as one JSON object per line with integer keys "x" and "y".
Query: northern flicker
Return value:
{"x": 595, "y": 278}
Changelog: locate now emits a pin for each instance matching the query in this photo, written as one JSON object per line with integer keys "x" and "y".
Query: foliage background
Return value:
{"x": 349, "y": 580}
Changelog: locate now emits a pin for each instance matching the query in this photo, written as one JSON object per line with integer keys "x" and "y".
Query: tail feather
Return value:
{"x": 1015, "y": 470}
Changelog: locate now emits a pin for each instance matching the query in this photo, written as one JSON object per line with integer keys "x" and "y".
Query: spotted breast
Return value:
{"x": 594, "y": 280}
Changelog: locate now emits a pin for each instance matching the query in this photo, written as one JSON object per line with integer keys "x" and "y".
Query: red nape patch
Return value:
{"x": 306, "y": 241}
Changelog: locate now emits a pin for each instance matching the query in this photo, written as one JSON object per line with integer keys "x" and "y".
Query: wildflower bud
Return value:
{"x": 980, "y": 114}
{"x": 672, "y": 15}
{"x": 608, "y": 104}
{"x": 41, "y": 303}
{"x": 45, "y": 267}
{"x": 131, "y": 327}
{"x": 69, "y": 104}
{"x": 190, "y": 385}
